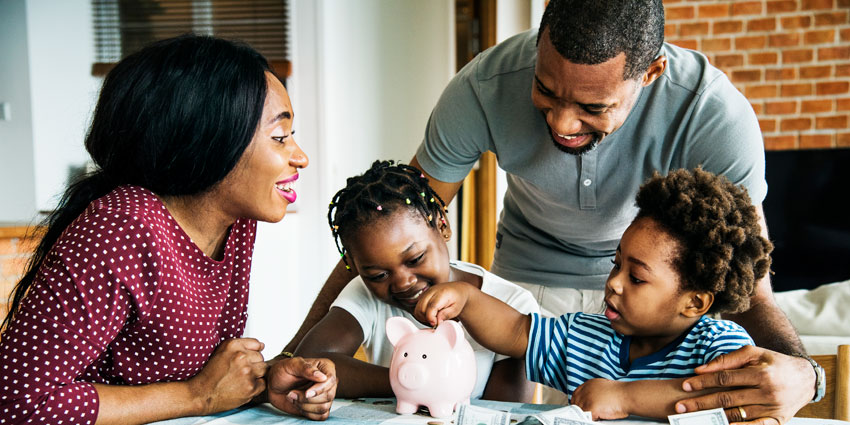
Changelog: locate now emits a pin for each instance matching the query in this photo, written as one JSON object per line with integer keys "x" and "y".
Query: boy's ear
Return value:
{"x": 698, "y": 304}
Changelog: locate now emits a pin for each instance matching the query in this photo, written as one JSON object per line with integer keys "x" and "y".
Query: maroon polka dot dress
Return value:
{"x": 124, "y": 297}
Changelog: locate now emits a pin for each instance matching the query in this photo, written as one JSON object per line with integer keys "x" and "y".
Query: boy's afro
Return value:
{"x": 722, "y": 250}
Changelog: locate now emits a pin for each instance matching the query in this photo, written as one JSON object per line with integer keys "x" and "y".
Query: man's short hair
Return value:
{"x": 590, "y": 32}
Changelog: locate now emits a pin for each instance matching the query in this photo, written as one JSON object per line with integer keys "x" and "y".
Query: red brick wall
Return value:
{"x": 790, "y": 58}
{"x": 14, "y": 253}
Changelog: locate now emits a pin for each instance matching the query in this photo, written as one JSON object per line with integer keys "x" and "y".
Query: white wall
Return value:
{"x": 366, "y": 75}
{"x": 17, "y": 175}
{"x": 46, "y": 52}
{"x": 63, "y": 91}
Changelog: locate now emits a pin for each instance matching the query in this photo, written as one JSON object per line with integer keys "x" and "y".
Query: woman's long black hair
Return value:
{"x": 174, "y": 118}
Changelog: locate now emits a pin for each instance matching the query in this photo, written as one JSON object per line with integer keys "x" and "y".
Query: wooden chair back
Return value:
{"x": 836, "y": 401}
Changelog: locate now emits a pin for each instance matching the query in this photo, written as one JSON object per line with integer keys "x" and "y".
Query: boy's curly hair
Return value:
{"x": 716, "y": 225}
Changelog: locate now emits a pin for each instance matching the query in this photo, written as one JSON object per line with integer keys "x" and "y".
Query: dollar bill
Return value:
{"x": 475, "y": 415}
{"x": 702, "y": 417}
{"x": 565, "y": 421}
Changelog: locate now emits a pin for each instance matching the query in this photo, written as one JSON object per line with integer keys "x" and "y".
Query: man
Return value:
{"x": 579, "y": 114}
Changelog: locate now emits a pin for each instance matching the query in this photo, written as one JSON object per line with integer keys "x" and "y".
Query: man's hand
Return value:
{"x": 770, "y": 387}
{"x": 304, "y": 387}
{"x": 603, "y": 398}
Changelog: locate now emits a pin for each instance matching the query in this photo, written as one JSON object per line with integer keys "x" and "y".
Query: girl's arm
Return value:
{"x": 491, "y": 322}
{"x": 507, "y": 382}
{"x": 651, "y": 398}
{"x": 337, "y": 337}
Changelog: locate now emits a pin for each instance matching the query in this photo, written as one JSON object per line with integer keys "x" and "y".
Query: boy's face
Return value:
{"x": 643, "y": 296}
{"x": 400, "y": 257}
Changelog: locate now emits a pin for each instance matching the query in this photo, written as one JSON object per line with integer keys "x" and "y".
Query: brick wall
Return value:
{"x": 790, "y": 58}
{"x": 14, "y": 253}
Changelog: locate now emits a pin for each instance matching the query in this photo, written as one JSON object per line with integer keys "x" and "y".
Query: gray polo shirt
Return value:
{"x": 564, "y": 214}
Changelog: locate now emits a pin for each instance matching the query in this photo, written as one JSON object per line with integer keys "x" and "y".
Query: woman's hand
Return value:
{"x": 770, "y": 387}
{"x": 442, "y": 302}
{"x": 232, "y": 376}
{"x": 304, "y": 387}
{"x": 604, "y": 398}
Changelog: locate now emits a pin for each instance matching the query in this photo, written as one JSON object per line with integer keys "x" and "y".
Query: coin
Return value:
{"x": 435, "y": 422}
{"x": 382, "y": 402}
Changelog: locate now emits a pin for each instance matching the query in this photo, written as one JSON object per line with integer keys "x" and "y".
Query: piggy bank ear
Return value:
{"x": 397, "y": 327}
{"x": 451, "y": 331}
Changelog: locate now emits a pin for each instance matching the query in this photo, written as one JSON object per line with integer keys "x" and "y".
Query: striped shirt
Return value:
{"x": 564, "y": 352}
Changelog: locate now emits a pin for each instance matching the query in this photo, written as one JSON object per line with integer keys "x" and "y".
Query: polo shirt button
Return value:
{"x": 587, "y": 182}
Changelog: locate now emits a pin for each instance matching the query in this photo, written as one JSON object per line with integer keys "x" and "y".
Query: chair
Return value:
{"x": 836, "y": 401}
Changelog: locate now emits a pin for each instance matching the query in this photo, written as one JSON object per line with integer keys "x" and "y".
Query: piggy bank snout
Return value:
{"x": 412, "y": 376}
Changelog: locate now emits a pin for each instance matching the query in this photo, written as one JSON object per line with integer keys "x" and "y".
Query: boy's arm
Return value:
{"x": 651, "y": 398}
{"x": 337, "y": 337}
{"x": 491, "y": 322}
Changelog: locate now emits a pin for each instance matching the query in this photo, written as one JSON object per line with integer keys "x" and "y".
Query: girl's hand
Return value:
{"x": 232, "y": 376}
{"x": 605, "y": 399}
{"x": 442, "y": 302}
{"x": 304, "y": 387}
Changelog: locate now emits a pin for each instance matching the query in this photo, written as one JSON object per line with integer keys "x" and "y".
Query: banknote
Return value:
{"x": 475, "y": 415}
{"x": 702, "y": 417}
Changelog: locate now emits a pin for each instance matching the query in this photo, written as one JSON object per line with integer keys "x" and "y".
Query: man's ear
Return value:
{"x": 698, "y": 304}
{"x": 655, "y": 69}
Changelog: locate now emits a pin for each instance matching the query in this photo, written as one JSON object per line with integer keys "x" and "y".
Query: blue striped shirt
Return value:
{"x": 564, "y": 352}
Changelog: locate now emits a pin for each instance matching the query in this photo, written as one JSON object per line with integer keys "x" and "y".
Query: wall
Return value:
{"x": 790, "y": 58}
{"x": 17, "y": 174}
{"x": 365, "y": 77}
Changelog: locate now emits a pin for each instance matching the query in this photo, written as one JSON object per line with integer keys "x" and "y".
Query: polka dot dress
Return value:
{"x": 124, "y": 297}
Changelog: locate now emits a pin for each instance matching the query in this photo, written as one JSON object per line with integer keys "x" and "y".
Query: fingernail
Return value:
{"x": 311, "y": 393}
{"x": 292, "y": 396}
{"x": 318, "y": 374}
{"x": 680, "y": 408}
{"x": 687, "y": 386}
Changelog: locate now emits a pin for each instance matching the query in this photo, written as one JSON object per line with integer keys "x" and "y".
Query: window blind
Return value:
{"x": 122, "y": 27}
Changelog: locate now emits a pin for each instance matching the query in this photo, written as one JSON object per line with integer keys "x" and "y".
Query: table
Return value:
{"x": 375, "y": 411}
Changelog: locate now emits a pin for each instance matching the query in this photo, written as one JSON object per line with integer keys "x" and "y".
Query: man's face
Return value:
{"x": 582, "y": 104}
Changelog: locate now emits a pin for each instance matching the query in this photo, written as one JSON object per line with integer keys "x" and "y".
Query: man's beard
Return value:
{"x": 579, "y": 151}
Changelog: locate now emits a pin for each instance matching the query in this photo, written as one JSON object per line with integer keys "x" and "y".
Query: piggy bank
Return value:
{"x": 434, "y": 368}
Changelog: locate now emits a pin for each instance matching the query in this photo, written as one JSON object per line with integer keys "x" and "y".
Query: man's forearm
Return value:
{"x": 769, "y": 327}
{"x": 333, "y": 286}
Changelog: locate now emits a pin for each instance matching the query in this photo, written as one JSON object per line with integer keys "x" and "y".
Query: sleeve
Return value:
{"x": 457, "y": 132}
{"x": 358, "y": 301}
{"x": 77, "y": 305}
{"x": 728, "y": 338}
{"x": 727, "y": 138}
{"x": 546, "y": 355}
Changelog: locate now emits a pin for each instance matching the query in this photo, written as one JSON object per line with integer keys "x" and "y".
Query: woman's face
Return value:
{"x": 400, "y": 257}
{"x": 262, "y": 184}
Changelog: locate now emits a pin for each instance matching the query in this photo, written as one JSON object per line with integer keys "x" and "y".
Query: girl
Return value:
{"x": 133, "y": 306}
{"x": 391, "y": 228}
{"x": 695, "y": 248}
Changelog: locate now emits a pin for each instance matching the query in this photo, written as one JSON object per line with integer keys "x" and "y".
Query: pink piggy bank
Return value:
{"x": 434, "y": 368}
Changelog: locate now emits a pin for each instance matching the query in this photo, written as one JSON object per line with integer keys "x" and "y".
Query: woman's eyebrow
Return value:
{"x": 281, "y": 116}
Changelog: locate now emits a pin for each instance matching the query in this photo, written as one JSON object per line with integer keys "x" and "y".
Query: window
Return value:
{"x": 122, "y": 27}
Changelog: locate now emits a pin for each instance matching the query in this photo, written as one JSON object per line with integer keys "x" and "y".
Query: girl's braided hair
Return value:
{"x": 722, "y": 250}
{"x": 380, "y": 191}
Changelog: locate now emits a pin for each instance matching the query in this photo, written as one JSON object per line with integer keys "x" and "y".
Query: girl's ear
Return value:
{"x": 446, "y": 230}
{"x": 698, "y": 304}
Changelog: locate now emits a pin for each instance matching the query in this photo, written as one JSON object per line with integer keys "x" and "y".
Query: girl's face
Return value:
{"x": 262, "y": 184}
{"x": 643, "y": 296}
{"x": 400, "y": 257}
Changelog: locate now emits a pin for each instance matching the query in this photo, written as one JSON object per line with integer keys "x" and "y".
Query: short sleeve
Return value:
{"x": 727, "y": 139}
{"x": 729, "y": 336}
{"x": 545, "y": 357}
{"x": 358, "y": 301}
{"x": 457, "y": 132}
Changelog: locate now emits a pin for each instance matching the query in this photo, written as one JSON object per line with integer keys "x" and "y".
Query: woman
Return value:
{"x": 133, "y": 305}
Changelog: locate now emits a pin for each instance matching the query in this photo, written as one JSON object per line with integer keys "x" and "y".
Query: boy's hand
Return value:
{"x": 442, "y": 302}
{"x": 605, "y": 399}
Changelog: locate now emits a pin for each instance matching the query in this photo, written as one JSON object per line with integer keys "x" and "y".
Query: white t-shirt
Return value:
{"x": 372, "y": 314}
